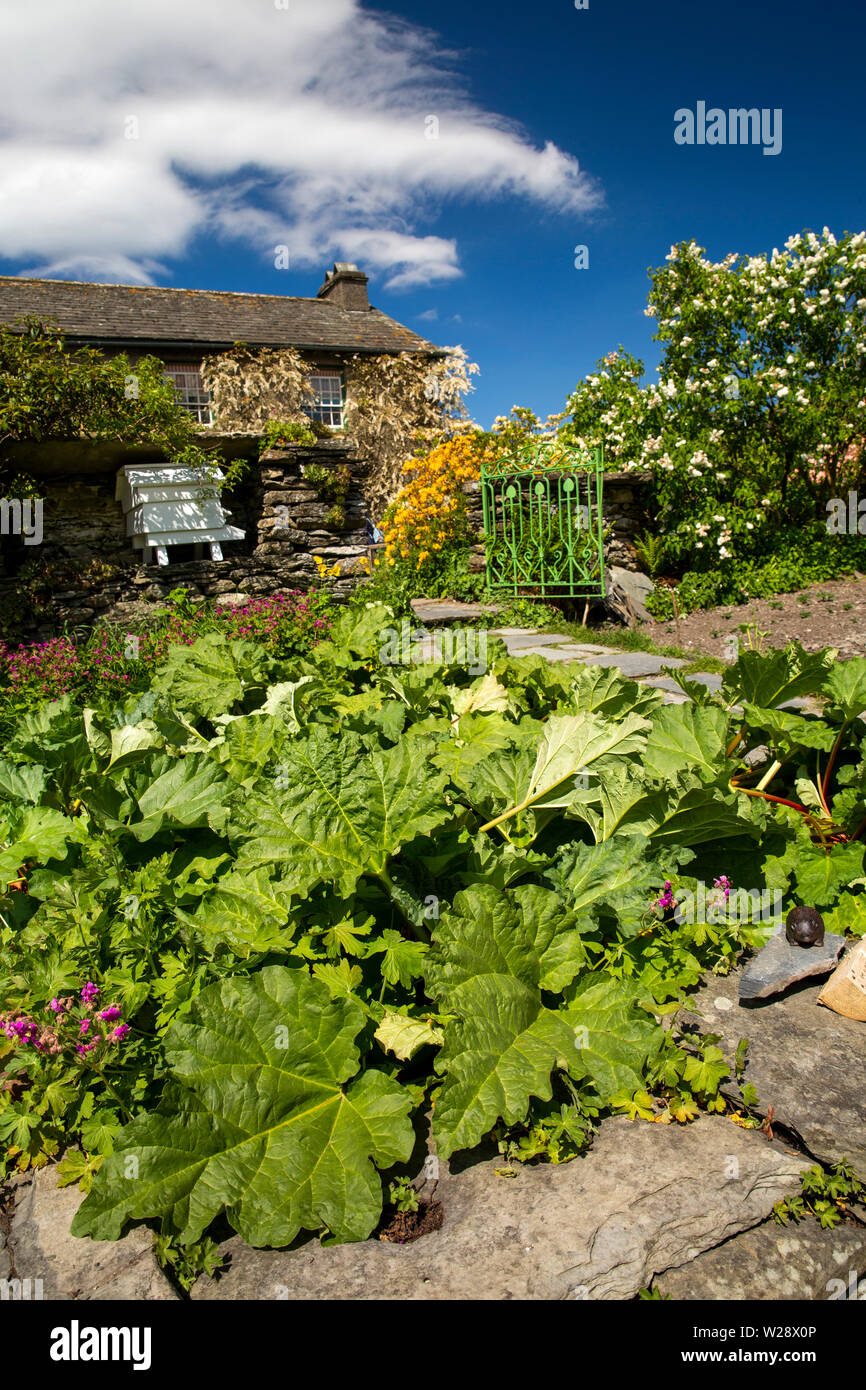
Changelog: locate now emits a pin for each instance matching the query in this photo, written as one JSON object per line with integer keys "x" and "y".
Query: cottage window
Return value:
{"x": 327, "y": 407}
{"x": 191, "y": 393}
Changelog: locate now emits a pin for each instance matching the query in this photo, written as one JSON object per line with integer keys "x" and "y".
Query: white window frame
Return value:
{"x": 328, "y": 406}
{"x": 191, "y": 393}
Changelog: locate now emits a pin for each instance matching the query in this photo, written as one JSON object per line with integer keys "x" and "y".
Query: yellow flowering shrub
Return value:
{"x": 431, "y": 511}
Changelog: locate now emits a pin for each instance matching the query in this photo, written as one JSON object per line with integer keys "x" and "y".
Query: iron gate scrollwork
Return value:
{"x": 543, "y": 524}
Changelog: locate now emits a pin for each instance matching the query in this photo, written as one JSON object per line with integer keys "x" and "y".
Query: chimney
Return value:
{"x": 345, "y": 286}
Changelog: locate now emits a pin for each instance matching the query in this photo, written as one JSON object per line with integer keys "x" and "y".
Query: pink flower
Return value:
{"x": 667, "y": 898}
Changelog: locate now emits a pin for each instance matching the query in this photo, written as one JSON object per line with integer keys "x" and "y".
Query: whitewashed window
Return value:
{"x": 190, "y": 388}
{"x": 166, "y": 505}
{"x": 327, "y": 407}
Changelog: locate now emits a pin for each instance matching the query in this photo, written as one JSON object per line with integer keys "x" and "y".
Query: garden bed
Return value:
{"x": 829, "y": 614}
{"x": 269, "y": 913}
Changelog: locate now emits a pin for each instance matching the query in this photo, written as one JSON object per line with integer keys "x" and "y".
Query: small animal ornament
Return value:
{"x": 804, "y": 927}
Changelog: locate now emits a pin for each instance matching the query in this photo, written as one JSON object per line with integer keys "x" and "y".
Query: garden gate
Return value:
{"x": 543, "y": 526}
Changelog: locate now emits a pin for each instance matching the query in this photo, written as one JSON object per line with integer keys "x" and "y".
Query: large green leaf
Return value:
{"x": 572, "y": 748}
{"x": 686, "y": 810}
{"x": 38, "y": 834}
{"x": 616, "y": 1038}
{"x": 262, "y": 1124}
{"x": 770, "y": 679}
{"x": 617, "y": 871}
{"x": 819, "y": 876}
{"x": 21, "y": 784}
{"x": 488, "y": 964}
{"x": 788, "y": 731}
{"x": 687, "y": 736}
{"x": 338, "y": 811}
{"x": 845, "y": 687}
{"x": 211, "y": 676}
{"x": 191, "y": 792}
{"x": 247, "y": 911}
{"x": 603, "y": 691}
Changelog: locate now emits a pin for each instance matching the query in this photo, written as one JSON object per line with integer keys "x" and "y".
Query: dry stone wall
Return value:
{"x": 85, "y": 568}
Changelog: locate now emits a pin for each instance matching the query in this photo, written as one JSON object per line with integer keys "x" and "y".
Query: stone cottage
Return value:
{"x": 121, "y": 524}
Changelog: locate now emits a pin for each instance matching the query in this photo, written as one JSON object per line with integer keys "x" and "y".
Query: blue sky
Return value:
{"x": 262, "y": 123}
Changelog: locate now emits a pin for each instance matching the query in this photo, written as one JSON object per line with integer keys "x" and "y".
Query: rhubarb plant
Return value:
{"x": 330, "y": 898}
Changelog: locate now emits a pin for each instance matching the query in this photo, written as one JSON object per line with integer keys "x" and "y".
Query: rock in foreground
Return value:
{"x": 646, "y": 1198}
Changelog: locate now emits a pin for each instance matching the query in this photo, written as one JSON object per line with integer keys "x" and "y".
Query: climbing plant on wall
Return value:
{"x": 251, "y": 386}
{"x": 397, "y": 405}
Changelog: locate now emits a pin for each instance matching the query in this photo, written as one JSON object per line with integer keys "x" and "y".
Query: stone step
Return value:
{"x": 644, "y": 1199}
{"x": 434, "y": 611}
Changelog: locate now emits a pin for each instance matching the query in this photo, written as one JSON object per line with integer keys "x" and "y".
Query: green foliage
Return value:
{"x": 443, "y": 575}
{"x": 652, "y": 553}
{"x": 790, "y": 560}
{"x": 277, "y": 432}
{"x": 48, "y": 391}
{"x": 402, "y": 1195}
{"x": 326, "y": 896}
{"x": 753, "y": 425}
{"x": 826, "y": 1195}
{"x": 333, "y": 484}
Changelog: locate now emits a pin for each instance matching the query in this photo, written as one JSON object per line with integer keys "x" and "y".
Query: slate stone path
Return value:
{"x": 559, "y": 647}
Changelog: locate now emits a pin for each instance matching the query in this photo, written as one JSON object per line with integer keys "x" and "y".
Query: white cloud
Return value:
{"x": 307, "y": 126}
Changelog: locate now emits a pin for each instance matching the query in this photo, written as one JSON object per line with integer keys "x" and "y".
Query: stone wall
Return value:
{"x": 86, "y": 569}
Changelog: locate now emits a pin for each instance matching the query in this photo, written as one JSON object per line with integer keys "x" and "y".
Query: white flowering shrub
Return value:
{"x": 757, "y": 418}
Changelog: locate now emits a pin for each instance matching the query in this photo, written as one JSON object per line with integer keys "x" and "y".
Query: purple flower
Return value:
{"x": 84, "y": 1027}
{"x": 120, "y": 1033}
{"x": 667, "y": 898}
{"x": 89, "y": 993}
{"x": 724, "y": 883}
{"x": 111, "y": 1012}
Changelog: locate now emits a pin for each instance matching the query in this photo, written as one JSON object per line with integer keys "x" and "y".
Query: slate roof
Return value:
{"x": 154, "y": 316}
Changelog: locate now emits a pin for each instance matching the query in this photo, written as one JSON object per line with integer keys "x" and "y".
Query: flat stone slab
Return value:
{"x": 635, "y": 664}
{"x": 666, "y": 683}
{"x": 516, "y": 642}
{"x": 581, "y": 651}
{"x": 707, "y": 678}
{"x": 645, "y": 1198}
{"x": 549, "y": 653}
{"x": 39, "y": 1246}
{"x": 781, "y": 964}
{"x": 773, "y": 1262}
{"x": 429, "y": 610}
{"x": 804, "y": 1060}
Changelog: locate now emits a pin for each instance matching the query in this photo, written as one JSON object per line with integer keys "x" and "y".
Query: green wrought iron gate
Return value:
{"x": 543, "y": 526}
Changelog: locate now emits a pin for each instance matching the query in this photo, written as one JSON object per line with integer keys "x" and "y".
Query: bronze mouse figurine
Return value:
{"x": 804, "y": 927}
